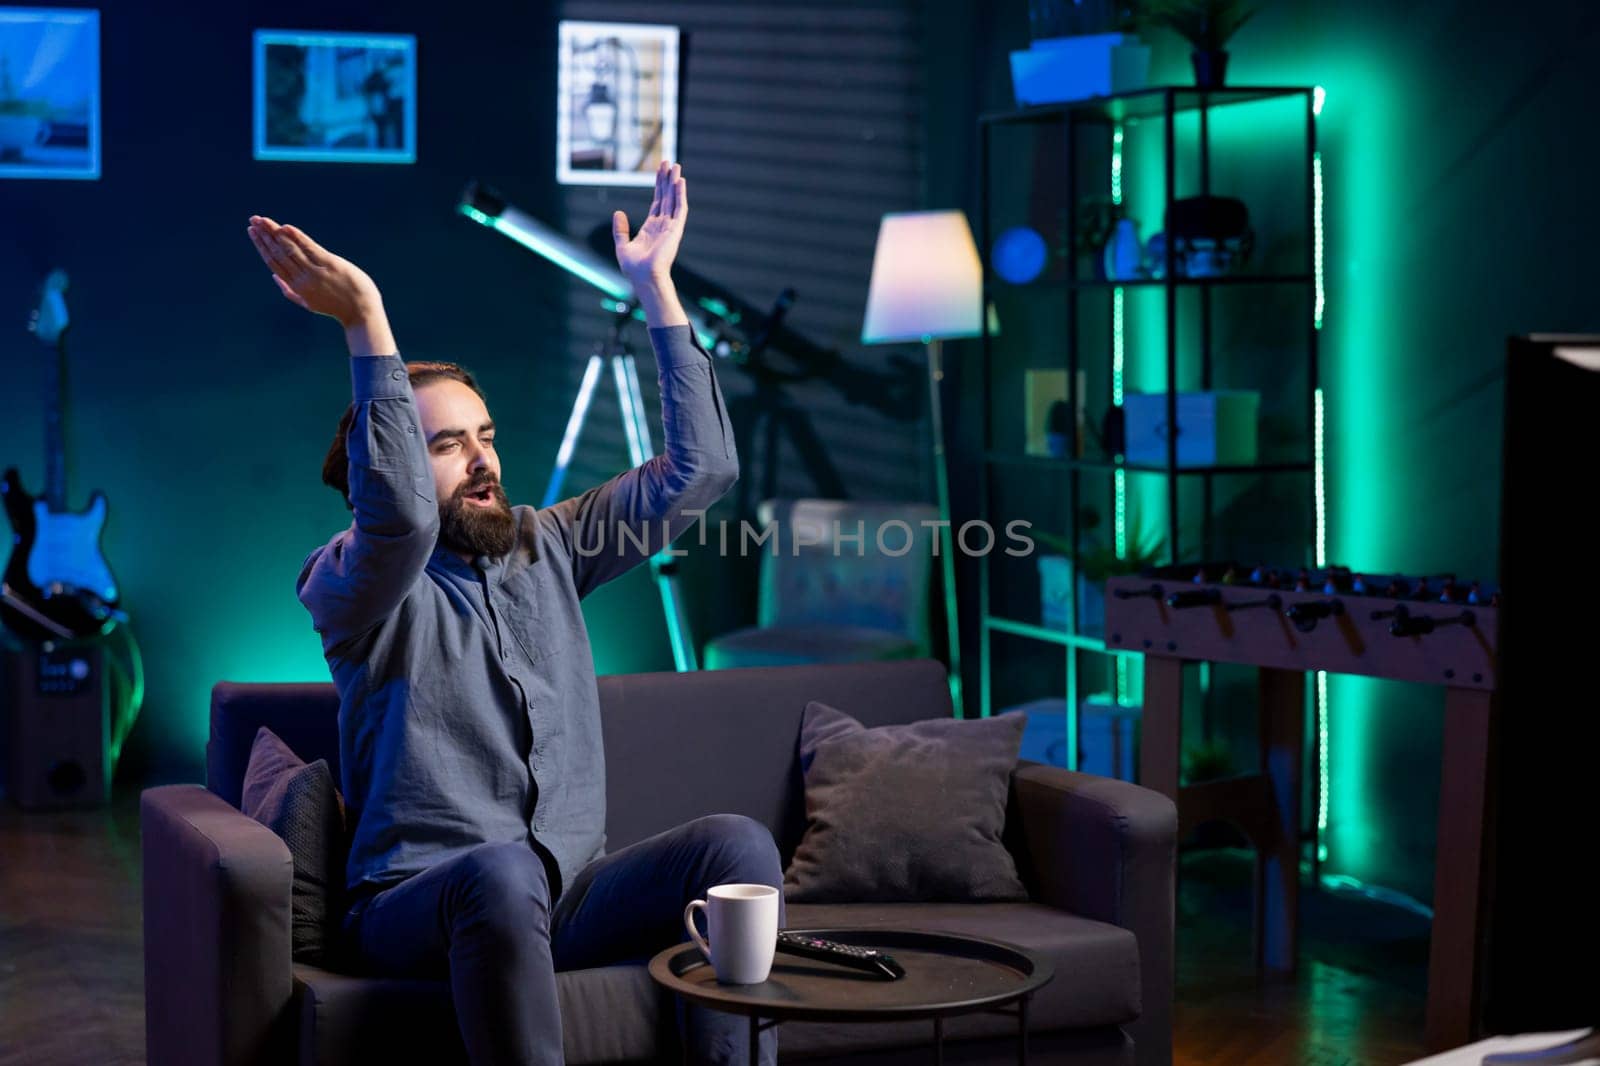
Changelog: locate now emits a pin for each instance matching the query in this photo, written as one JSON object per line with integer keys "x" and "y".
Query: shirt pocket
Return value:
{"x": 523, "y": 598}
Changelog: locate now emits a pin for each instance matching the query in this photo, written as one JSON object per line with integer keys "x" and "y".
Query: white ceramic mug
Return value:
{"x": 742, "y": 924}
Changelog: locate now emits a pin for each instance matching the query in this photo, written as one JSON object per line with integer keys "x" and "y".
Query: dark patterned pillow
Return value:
{"x": 905, "y": 813}
{"x": 299, "y": 802}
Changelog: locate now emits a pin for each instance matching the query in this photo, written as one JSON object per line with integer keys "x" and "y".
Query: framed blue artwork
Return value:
{"x": 49, "y": 93}
{"x": 335, "y": 97}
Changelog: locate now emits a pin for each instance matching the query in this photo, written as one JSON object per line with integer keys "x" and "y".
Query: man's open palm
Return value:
{"x": 650, "y": 252}
{"x": 310, "y": 276}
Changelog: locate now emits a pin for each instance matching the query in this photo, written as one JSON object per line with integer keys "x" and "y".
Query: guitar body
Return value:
{"x": 66, "y": 550}
{"x": 57, "y": 582}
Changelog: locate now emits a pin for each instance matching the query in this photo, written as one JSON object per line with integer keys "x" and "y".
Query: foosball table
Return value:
{"x": 1291, "y": 623}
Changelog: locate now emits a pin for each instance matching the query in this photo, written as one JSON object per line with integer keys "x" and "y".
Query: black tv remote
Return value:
{"x": 865, "y": 959}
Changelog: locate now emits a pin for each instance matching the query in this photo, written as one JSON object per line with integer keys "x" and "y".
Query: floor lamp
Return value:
{"x": 927, "y": 285}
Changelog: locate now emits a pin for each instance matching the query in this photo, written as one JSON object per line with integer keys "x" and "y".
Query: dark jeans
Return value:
{"x": 484, "y": 919}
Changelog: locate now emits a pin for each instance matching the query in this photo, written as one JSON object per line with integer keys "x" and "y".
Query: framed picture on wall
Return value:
{"x": 335, "y": 97}
{"x": 49, "y": 93}
{"x": 616, "y": 102}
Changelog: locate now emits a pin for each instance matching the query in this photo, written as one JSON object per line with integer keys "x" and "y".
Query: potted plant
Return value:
{"x": 1207, "y": 25}
{"x": 1089, "y": 566}
{"x": 1208, "y": 760}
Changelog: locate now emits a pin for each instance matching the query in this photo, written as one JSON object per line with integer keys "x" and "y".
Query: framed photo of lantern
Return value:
{"x": 616, "y": 102}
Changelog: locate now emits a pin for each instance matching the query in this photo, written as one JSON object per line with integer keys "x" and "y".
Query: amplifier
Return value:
{"x": 58, "y": 727}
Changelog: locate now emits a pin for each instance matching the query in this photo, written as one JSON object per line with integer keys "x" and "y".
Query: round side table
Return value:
{"x": 946, "y": 975}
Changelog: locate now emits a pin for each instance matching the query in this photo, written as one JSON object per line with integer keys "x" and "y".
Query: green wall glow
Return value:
{"x": 1355, "y": 304}
{"x": 1458, "y": 209}
{"x": 200, "y": 400}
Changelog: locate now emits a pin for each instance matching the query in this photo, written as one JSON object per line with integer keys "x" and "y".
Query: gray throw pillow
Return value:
{"x": 904, "y": 813}
{"x": 300, "y": 803}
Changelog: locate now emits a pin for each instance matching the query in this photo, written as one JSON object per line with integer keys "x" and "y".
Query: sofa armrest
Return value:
{"x": 1106, "y": 849}
{"x": 217, "y": 975}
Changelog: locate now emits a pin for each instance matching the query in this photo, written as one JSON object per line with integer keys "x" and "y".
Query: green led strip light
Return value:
{"x": 1322, "y": 675}
{"x": 1119, "y": 476}
{"x": 1318, "y": 96}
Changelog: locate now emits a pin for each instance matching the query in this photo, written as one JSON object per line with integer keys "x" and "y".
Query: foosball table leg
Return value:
{"x": 1282, "y": 733}
{"x": 1161, "y": 729}
{"x": 1265, "y": 806}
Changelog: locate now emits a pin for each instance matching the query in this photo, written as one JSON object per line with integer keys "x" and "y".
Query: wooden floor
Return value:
{"x": 1357, "y": 999}
{"x": 71, "y": 963}
{"x": 72, "y": 980}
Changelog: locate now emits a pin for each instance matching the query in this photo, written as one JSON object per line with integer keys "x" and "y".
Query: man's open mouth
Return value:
{"x": 483, "y": 496}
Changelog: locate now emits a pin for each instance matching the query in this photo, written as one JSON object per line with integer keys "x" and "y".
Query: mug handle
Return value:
{"x": 694, "y": 934}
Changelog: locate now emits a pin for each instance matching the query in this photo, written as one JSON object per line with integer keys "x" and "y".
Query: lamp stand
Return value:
{"x": 946, "y": 550}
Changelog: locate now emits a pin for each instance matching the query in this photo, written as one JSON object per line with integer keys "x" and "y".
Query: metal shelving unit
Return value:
{"x": 1098, "y": 124}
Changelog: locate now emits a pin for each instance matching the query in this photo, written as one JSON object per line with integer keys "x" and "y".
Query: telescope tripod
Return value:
{"x": 636, "y": 427}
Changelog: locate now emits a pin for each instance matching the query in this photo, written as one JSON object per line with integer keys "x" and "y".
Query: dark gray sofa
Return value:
{"x": 1097, "y": 856}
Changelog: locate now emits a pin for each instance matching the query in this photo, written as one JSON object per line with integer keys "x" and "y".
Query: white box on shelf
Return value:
{"x": 1108, "y": 735}
{"x": 1214, "y": 428}
{"x": 1055, "y": 597}
{"x": 1042, "y": 390}
{"x": 1044, "y": 738}
{"x": 1058, "y": 69}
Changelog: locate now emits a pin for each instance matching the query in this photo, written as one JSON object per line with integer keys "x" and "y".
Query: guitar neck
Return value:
{"x": 55, "y": 446}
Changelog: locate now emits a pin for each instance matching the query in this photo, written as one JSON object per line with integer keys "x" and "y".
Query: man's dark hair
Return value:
{"x": 336, "y": 467}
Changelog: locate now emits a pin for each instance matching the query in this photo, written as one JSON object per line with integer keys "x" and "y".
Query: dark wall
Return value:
{"x": 201, "y": 401}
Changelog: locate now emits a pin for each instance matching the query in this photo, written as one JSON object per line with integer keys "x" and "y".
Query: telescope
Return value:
{"x": 726, "y": 325}
{"x": 487, "y": 207}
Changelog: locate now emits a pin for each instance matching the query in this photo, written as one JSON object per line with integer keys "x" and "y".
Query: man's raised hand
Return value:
{"x": 313, "y": 277}
{"x": 648, "y": 255}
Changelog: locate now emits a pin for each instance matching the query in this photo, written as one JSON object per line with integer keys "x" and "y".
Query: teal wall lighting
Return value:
{"x": 1320, "y": 485}
{"x": 1119, "y": 508}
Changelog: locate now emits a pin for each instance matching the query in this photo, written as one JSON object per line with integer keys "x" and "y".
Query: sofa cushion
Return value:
{"x": 904, "y": 813}
{"x": 299, "y": 802}
{"x": 1096, "y": 980}
{"x": 304, "y": 714}
{"x": 617, "y": 1014}
{"x": 608, "y": 1014}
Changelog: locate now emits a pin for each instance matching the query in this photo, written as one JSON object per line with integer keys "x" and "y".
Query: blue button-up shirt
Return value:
{"x": 468, "y": 706}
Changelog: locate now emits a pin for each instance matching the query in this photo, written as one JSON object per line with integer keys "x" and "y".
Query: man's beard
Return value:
{"x": 474, "y": 529}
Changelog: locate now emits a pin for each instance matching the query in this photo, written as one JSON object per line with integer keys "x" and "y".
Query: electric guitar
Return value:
{"x": 57, "y": 585}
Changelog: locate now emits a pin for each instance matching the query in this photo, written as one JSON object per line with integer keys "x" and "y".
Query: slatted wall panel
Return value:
{"x": 800, "y": 125}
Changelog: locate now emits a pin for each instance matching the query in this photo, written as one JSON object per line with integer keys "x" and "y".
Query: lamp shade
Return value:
{"x": 926, "y": 279}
